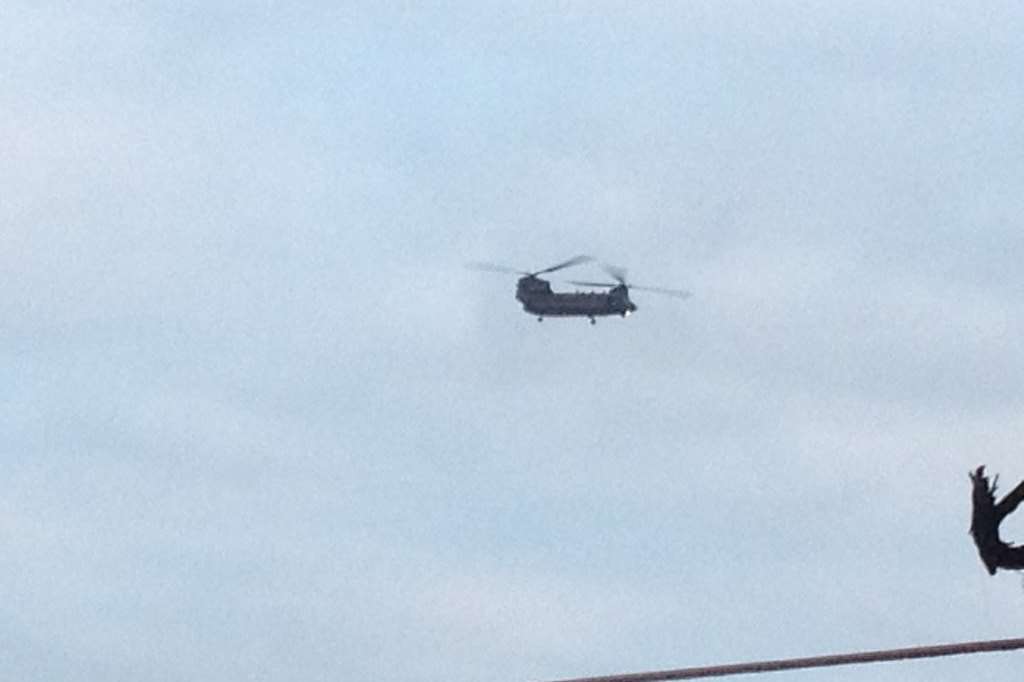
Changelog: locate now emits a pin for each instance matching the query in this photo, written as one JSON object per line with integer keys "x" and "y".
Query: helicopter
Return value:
{"x": 539, "y": 299}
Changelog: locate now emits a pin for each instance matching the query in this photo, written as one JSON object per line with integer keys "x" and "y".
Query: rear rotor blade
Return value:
{"x": 565, "y": 264}
{"x": 493, "y": 267}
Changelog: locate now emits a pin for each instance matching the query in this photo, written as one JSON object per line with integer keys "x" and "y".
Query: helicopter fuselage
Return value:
{"x": 537, "y": 297}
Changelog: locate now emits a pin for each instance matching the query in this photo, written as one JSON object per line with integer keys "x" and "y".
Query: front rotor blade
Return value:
{"x": 566, "y": 264}
{"x": 678, "y": 293}
{"x": 618, "y": 274}
{"x": 592, "y": 284}
{"x": 493, "y": 267}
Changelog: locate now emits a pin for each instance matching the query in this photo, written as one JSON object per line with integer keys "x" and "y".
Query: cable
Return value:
{"x": 812, "y": 662}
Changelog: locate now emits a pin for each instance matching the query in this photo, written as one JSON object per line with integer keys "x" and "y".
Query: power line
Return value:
{"x": 812, "y": 662}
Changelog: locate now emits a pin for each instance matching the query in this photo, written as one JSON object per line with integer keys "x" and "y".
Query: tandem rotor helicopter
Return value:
{"x": 537, "y": 297}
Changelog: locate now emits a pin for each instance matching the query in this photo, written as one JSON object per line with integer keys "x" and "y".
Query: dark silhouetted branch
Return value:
{"x": 985, "y": 520}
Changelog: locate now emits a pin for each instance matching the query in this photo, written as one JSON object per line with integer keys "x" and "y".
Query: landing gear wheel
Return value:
{"x": 593, "y": 321}
{"x": 540, "y": 319}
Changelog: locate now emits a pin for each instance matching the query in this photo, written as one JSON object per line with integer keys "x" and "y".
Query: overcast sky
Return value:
{"x": 260, "y": 423}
